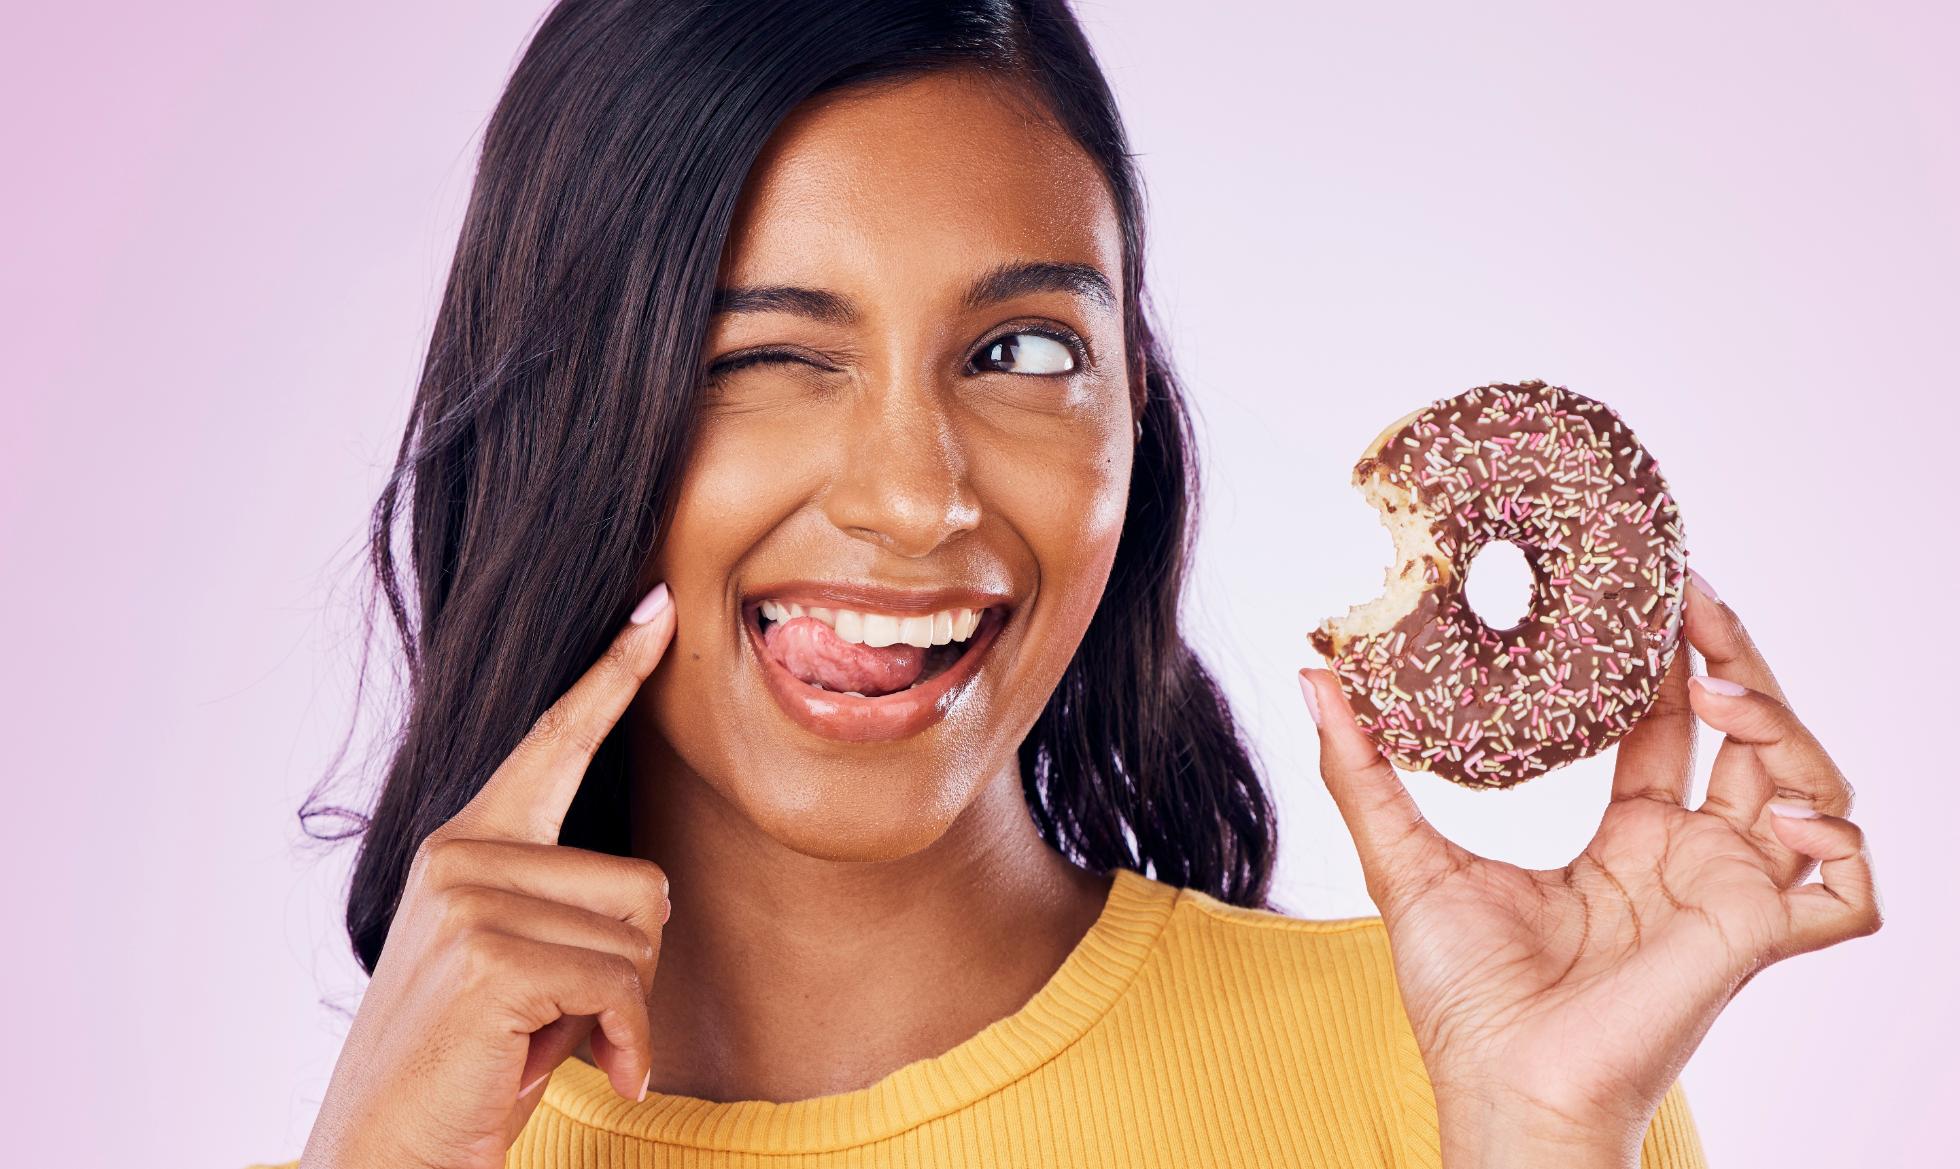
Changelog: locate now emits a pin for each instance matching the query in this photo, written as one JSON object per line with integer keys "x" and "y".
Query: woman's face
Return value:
{"x": 918, "y": 427}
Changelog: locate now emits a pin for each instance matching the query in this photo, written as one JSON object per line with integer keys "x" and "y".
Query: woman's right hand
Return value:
{"x": 506, "y": 951}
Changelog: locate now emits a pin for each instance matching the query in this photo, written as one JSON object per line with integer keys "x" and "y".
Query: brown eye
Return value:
{"x": 1027, "y": 353}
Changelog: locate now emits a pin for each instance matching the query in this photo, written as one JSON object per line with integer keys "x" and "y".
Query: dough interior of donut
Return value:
{"x": 1418, "y": 563}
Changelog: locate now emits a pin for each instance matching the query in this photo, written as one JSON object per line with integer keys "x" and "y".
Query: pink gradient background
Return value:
{"x": 226, "y": 224}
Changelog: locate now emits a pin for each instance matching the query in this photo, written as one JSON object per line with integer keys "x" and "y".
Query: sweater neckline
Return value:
{"x": 1082, "y": 989}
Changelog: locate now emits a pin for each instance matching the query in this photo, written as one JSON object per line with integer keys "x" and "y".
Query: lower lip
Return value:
{"x": 850, "y": 719}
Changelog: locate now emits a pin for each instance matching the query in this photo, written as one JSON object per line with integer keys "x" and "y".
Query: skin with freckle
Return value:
{"x": 875, "y": 455}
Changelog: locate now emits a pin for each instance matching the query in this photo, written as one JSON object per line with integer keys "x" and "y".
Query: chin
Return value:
{"x": 858, "y": 813}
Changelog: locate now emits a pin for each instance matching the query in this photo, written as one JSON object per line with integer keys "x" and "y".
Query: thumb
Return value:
{"x": 1395, "y": 842}
{"x": 551, "y": 1045}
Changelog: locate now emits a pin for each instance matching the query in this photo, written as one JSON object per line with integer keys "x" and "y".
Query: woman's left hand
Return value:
{"x": 1555, "y": 1007}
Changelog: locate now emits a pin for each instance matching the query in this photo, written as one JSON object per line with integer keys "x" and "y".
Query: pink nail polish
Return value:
{"x": 1793, "y": 811}
{"x": 1701, "y": 582}
{"x": 1313, "y": 700}
{"x": 533, "y": 1085}
{"x": 651, "y": 605}
{"x": 643, "y": 1085}
{"x": 1722, "y": 686}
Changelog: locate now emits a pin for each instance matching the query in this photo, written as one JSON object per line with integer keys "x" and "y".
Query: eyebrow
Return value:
{"x": 1003, "y": 282}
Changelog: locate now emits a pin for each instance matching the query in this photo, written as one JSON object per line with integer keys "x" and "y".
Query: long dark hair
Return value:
{"x": 554, "y": 415}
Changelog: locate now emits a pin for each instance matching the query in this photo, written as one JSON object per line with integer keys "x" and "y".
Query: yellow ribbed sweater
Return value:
{"x": 1180, "y": 1031}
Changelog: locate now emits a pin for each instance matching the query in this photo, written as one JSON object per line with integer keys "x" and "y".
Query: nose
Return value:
{"x": 902, "y": 475}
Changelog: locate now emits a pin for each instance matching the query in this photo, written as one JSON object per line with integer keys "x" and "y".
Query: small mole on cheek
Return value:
{"x": 695, "y": 656}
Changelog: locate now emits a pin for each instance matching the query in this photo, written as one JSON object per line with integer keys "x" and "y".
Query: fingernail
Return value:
{"x": 1313, "y": 700}
{"x": 1720, "y": 686}
{"x": 1793, "y": 811}
{"x": 666, "y": 910}
{"x": 643, "y": 1085}
{"x": 651, "y": 605}
{"x": 1707, "y": 590}
{"x": 533, "y": 1085}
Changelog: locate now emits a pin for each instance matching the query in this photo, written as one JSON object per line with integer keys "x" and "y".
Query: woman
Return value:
{"x": 797, "y": 507}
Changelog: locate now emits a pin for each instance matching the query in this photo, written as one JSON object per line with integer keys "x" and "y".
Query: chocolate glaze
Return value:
{"x": 1562, "y": 477}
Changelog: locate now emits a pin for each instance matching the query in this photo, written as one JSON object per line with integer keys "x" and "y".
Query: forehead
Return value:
{"x": 948, "y": 171}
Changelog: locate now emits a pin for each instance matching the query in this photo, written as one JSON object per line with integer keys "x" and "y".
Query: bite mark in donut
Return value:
{"x": 1562, "y": 477}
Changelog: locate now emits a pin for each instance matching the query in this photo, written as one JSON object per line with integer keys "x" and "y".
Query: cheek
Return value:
{"x": 740, "y": 483}
{"x": 1067, "y": 498}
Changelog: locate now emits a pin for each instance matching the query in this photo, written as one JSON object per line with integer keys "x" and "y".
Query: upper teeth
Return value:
{"x": 882, "y": 629}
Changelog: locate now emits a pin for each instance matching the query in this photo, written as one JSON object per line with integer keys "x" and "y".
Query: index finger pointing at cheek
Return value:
{"x": 527, "y": 796}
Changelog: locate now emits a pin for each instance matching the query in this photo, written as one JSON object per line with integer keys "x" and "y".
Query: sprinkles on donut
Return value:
{"x": 1560, "y": 476}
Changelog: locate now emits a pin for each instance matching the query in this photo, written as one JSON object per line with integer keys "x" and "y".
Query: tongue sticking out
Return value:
{"x": 813, "y": 652}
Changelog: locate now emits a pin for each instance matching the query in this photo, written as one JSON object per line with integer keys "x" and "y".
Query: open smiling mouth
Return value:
{"x": 859, "y": 675}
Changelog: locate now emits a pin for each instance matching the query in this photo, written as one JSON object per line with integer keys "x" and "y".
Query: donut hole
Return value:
{"x": 1499, "y": 585}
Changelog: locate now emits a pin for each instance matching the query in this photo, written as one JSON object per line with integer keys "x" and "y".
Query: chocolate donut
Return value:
{"x": 1560, "y": 476}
